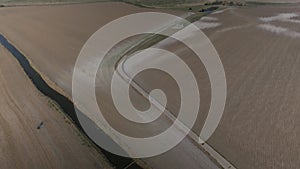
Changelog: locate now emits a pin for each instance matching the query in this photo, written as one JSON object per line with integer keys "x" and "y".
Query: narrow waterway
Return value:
{"x": 66, "y": 105}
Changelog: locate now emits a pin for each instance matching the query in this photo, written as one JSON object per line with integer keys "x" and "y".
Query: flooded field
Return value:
{"x": 259, "y": 48}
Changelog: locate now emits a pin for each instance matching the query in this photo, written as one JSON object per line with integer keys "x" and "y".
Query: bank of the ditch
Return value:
{"x": 66, "y": 105}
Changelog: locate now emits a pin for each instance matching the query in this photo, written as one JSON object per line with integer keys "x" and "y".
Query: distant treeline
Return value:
{"x": 230, "y": 3}
{"x": 172, "y": 3}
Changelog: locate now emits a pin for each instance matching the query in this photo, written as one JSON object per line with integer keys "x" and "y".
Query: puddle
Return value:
{"x": 273, "y": 28}
{"x": 280, "y": 30}
{"x": 284, "y": 17}
{"x": 208, "y": 18}
{"x": 207, "y": 25}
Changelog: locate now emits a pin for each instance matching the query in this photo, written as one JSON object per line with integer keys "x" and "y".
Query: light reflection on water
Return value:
{"x": 282, "y": 17}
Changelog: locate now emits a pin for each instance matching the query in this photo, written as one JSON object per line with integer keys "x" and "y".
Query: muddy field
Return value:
{"x": 259, "y": 48}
